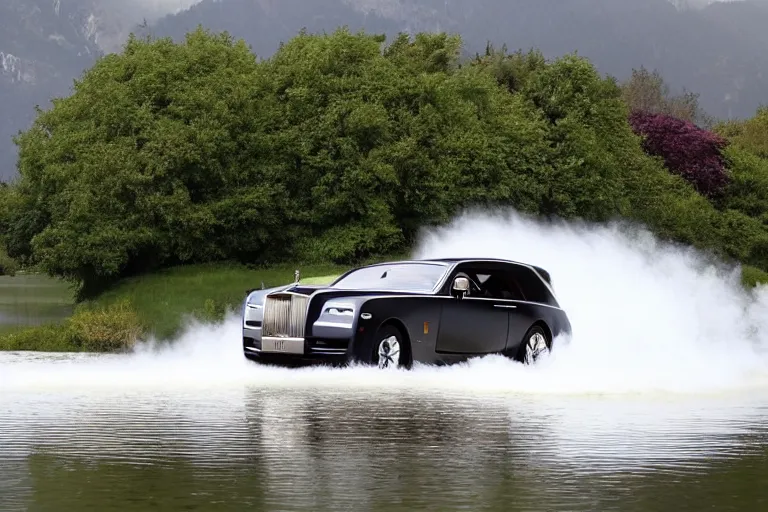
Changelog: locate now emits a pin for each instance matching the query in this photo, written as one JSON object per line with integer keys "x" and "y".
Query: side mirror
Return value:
{"x": 461, "y": 285}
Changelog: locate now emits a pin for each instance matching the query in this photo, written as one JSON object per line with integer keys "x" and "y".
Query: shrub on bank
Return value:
{"x": 115, "y": 328}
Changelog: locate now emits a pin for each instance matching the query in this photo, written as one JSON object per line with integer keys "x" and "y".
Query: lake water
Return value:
{"x": 199, "y": 428}
{"x": 32, "y": 299}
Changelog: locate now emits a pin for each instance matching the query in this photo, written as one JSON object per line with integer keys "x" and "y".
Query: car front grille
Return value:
{"x": 285, "y": 316}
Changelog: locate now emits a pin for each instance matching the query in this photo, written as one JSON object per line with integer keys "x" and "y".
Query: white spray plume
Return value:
{"x": 645, "y": 315}
{"x": 648, "y": 318}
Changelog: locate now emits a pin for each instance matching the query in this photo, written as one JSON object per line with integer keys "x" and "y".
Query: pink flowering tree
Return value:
{"x": 687, "y": 150}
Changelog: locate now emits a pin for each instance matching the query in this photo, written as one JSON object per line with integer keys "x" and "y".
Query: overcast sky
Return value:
{"x": 157, "y": 8}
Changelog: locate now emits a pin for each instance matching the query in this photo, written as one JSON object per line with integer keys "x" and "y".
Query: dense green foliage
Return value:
{"x": 747, "y": 192}
{"x": 750, "y": 134}
{"x": 337, "y": 148}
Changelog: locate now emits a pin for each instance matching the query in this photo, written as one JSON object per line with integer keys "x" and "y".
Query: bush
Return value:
{"x": 45, "y": 338}
{"x": 751, "y": 276}
{"x": 689, "y": 151}
{"x": 115, "y": 328}
{"x": 749, "y": 134}
{"x": 112, "y": 329}
{"x": 747, "y": 191}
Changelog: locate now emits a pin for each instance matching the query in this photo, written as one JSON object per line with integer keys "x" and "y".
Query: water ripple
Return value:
{"x": 311, "y": 450}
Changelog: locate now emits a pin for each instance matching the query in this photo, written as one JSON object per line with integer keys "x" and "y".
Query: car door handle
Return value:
{"x": 506, "y": 307}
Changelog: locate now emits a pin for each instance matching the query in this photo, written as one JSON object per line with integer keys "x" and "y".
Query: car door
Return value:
{"x": 477, "y": 323}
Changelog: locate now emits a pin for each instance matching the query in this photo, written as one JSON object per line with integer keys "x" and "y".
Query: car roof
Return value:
{"x": 453, "y": 261}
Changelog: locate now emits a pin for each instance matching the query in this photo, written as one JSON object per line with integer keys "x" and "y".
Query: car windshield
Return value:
{"x": 422, "y": 277}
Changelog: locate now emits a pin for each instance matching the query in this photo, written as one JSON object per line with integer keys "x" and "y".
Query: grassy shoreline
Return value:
{"x": 155, "y": 305}
{"x": 151, "y": 306}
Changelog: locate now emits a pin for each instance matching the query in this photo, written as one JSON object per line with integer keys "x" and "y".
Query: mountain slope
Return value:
{"x": 43, "y": 46}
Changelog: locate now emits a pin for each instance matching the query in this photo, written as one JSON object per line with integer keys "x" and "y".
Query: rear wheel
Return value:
{"x": 535, "y": 344}
{"x": 389, "y": 348}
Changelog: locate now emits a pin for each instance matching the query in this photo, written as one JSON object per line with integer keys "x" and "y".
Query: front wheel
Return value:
{"x": 389, "y": 350}
{"x": 535, "y": 344}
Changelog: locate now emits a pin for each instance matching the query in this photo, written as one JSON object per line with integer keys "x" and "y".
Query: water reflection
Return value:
{"x": 292, "y": 449}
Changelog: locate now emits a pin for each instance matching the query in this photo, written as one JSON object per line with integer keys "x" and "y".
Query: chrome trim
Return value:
{"x": 503, "y": 306}
{"x": 297, "y": 347}
{"x": 389, "y": 353}
{"x": 536, "y": 345}
{"x": 252, "y": 349}
{"x": 280, "y": 338}
{"x": 285, "y": 315}
{"x": 339, "y": 351}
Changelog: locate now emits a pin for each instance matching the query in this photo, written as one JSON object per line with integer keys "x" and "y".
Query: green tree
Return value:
{"x": 138, "y": 167}
{"x": 374, "y": 143}
{"x": 647, "y": 92}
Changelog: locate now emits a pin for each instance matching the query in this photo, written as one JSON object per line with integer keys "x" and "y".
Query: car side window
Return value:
{"x": 503, "y": 285}
{"x": 494, "y": 283}
{"x": 503, "y": 281}
{"x": 533, "y": 288}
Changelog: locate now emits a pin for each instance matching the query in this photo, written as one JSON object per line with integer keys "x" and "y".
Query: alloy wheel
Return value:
{"x": 389, "y": 352}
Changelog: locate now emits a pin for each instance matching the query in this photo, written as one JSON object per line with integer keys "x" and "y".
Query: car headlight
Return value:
{"x": 339, "y": 309}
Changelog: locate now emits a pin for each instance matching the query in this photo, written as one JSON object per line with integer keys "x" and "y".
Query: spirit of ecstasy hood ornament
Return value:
{"x": 297, "y": 275}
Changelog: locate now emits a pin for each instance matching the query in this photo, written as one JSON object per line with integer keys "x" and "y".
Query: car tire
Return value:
{"x": 390, "y": 350}
{"x": 535, "y": 343}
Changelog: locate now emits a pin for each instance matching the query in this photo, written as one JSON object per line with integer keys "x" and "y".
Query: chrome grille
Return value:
{"x": 285, "y": 315}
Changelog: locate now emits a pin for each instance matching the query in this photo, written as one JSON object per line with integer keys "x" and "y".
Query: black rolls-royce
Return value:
{"x": 437, "y": 311}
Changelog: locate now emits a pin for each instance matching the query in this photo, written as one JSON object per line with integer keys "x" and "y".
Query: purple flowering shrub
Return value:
{"x": 687, "y": 150}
